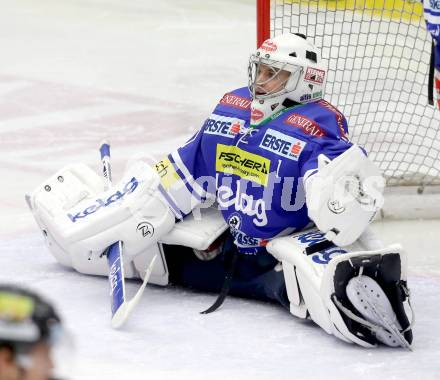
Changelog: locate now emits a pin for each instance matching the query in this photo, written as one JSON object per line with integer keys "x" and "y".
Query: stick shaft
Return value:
{"x": 104, "y": 150}
{"x": 114, "y": 252}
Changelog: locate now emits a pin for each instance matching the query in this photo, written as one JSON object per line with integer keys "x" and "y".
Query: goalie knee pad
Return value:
{"x": 357, "y": 294}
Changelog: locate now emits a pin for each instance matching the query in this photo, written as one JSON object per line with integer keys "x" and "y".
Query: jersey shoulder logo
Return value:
{"x": 308, "y": 126}
{"x": 236, "y": 101}
{"x": 223, "y": 126}
{"x": 339, "y": 117}
{"x": 282, "y": 145}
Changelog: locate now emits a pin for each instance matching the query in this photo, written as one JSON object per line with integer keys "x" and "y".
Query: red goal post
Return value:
{"x": 263, "y": 21}
{"x": 377, "y": 53}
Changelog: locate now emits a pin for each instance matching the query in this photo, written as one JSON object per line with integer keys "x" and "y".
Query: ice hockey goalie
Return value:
{"x": 268, "y": 200}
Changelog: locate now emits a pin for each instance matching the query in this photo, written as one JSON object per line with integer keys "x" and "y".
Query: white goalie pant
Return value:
{"x": 322, "y": 280}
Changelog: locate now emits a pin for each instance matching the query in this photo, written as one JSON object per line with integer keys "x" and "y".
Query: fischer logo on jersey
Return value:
{"x": 307, "y": 125}
{"x": 314, "y": 75}
{"x": 223, "y": 126}
{"x": 236, "y": 101}
{"x": 100, "y": 203}
{"x": 233, "y": 160}
{"x": 282, "y": 145}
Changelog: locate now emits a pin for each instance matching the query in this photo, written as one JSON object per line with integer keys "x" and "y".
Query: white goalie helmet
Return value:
{"x": 284, "y": 67}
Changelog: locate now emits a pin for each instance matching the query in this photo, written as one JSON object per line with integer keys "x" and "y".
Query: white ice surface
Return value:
{"x": 145, "y": 74}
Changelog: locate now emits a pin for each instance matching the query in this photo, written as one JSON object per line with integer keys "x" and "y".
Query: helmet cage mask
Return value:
{"x": 287, "y": 85}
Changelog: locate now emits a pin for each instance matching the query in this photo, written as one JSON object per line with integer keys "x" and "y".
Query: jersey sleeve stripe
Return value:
{"x": 177, "y": 190}
{"x": 185, "y": 181}
{"x": 192, "y": 185}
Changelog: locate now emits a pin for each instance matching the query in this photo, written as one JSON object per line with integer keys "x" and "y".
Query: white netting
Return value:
{"x": 378, "y": 59}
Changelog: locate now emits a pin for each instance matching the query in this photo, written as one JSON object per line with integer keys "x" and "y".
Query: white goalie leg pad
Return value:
{"x": 297, "y": 305}
{"x": 78, "y": 182}
{"x": 318, "y": 275}
{"x": 80, "y": 220}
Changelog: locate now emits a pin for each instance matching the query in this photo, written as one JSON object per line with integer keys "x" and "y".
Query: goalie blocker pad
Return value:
{"x": 317, "y": 274}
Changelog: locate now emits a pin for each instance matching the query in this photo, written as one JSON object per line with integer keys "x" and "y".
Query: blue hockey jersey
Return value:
{"x": 255, "y": 174}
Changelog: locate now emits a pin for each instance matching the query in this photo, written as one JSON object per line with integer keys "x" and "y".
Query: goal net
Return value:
{"x": 377, "y": 53}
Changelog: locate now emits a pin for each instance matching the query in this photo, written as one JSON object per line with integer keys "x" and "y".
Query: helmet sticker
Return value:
{"x": 314, "y": 75}
{"x": 269, "y": 46}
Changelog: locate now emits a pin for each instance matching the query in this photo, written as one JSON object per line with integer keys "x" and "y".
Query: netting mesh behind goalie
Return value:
{"x": 378, "y": 55}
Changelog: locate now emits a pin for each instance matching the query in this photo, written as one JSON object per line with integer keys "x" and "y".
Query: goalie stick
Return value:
{"x": 121, "y": 307}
